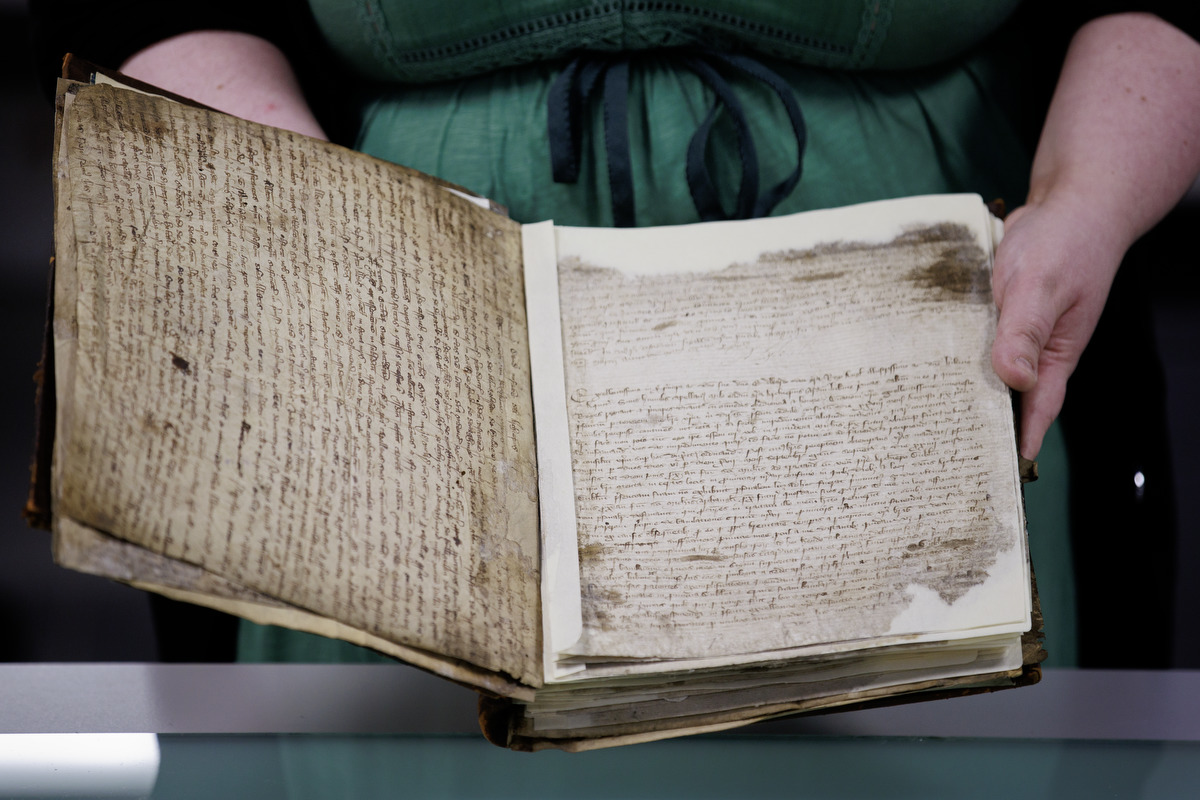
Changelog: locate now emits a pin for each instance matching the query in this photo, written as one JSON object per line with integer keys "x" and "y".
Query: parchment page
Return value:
{"x": 81, "y": 548}
{"x": 788, "y": 433}
{"x": 562, "y": 618}
{"x": 303, "y": 370}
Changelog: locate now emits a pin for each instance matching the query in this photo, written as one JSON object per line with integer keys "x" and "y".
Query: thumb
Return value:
{"x": 1027, "y": 318}
{"x": 1024, "y": 360}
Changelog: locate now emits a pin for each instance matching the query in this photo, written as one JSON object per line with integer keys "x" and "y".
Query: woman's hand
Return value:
{"x": 1052, "y": 275}
{"x": 232, "y": 72}
{"x": 1120, "y": 146}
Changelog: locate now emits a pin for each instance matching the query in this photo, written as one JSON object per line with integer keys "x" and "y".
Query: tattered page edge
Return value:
{"x": 37, "y": 511}
{"x": 63, "y": 333}
{"x": 84, "y": 549}
{"x": 76, "y": 73}
{"x": 39, "y": 507}
{"x": 562, "y": 614}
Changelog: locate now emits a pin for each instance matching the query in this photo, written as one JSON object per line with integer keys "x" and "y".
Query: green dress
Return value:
{"x": 900, "y": 97}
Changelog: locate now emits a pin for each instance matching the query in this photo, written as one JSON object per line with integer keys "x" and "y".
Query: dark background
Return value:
{"x": 50, "y": 614}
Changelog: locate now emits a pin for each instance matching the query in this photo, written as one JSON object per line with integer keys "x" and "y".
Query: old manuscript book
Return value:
{"x": 770, "y": 468}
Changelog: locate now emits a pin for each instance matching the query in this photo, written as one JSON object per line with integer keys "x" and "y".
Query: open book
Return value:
{"x": 770, "y": 468}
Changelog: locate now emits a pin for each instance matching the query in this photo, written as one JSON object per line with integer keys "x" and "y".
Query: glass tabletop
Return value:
{"x": 726, "y": 766}
{"x": 329, "y": 731}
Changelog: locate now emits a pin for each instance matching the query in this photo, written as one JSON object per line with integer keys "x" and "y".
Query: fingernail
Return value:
{"x": 1025, "y": 364}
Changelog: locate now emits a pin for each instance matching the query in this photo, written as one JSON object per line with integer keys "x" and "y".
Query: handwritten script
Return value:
{"x": 770, "y": 455}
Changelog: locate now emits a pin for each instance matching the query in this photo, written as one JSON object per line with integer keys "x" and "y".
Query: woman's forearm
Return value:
{"x": 233, "y": 72}
{"x": 1123, "y": 128}
{"x": 1120, "y": 146}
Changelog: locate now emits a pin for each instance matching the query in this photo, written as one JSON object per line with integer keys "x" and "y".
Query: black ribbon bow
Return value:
{"x": 579, "y": 80}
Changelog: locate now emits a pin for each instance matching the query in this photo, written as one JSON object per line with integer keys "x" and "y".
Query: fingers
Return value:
{"x": 1041, "y": 404}
{"x": 1050, "y": 286}
{"x": 1033, "y": 354}
{"x": 1026, "y": 294}
{"x": 1016, "y": 353}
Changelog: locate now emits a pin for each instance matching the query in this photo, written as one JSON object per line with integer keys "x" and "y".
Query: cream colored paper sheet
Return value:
{"x": 787, "y": 435}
